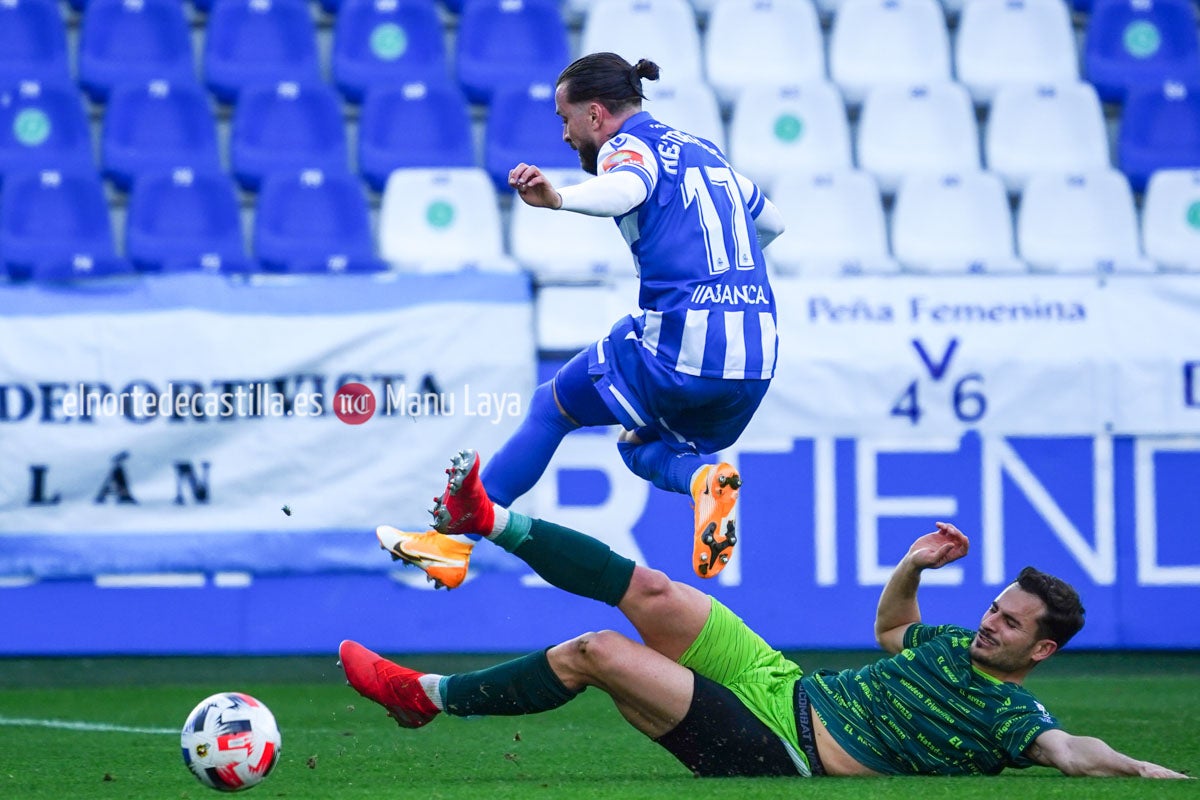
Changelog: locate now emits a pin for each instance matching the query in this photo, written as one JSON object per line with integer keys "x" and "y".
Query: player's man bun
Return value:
{"x": 609, "y": 79}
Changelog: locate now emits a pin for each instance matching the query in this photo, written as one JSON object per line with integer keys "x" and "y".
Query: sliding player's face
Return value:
{"x": 1007, "y": 640}
{"x": 578, "y": 128}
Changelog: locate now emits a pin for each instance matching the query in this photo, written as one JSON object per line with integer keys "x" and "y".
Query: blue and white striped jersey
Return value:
{"x": 707, "y": 303}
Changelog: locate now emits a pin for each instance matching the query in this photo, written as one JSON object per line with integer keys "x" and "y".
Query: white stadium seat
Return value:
{"x": 690, "y": 107}
{"x": 565, "y": 247}
{"x": 783, "y": 35}
{"x": 835, "y": 225}
{"x": 954, "y": 223}
{"x": 569, "y": 318}
{"x": 663, "y": 31}
{"x": 437, "y": 220}
{"x": 905, "y": 130}
{"x": 878, "y": 42}
{"x": 1014, "y": 41}
{"x": 1079, "y": 223}
{"x": 1051, "y": 128}
{"x": 1171, "y": 219}
{"x": 797, "y": 128}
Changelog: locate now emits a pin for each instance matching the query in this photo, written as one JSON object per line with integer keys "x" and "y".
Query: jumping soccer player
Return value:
{"x": 685, "y": 376}
{"x": 703, "y": 685}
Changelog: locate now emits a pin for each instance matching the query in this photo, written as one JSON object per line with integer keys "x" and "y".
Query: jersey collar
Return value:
{"x": 637, "y": 119}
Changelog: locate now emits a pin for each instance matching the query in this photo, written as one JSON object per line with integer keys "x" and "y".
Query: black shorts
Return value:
{"x": 720, "y": 738}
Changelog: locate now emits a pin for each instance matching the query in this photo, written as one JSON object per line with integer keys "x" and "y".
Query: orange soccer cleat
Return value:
{"x": 714, "y": 494}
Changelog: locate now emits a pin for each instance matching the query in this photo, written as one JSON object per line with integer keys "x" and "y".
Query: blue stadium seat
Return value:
{"x": 287, "y": 126}
{"x": 332, "y": 6}
{"x": 184, "y": 220}
{"x": 33, "y": 42}
{"x": 55, "y": 226}
{"x": 313, "y": 221}
{"x": 125, "y": 41}
{"x": 509, "y": 41}
{"x": 1134, "y": 43}
{"x": 385, "y": 41}
{"x": 522, "y": 126}
{"x": 157, "y": 126}
{"x": 1160, "y": 129}
{"x": 259, "y": 41}
{"x": 43, "y": 127}
{"x": 414, "y": 125}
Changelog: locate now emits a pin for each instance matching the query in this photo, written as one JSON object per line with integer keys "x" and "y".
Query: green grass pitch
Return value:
{"x": 337, "y": 745}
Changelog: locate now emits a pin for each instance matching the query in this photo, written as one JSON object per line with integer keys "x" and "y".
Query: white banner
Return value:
{"x": 191, "y": 404}
{"x": 1031, "y": 355}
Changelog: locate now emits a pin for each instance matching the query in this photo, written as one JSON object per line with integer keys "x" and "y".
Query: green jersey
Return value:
{"x": 928, "y": 710}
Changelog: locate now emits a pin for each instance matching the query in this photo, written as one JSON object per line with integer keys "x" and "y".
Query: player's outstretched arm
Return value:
{"x": 898, "y": 602}
{"x": 1089, "y": 756}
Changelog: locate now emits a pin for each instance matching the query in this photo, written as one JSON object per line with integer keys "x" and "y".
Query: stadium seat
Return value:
{"x": 835, "y": 225}
{"x": 878, "y": 42}
{"x": 1171, "y": 219}
{"x": 258, "y": 41}
{"x": 55, "y": 226}
{"x": 1160, "y": 129}
{"x": 569, "y": 317}
{"x": 287, "y": 127}
{"x": 1044, "y": 129}
{"x": 663, "y": 31}
{"x": 333, "y": 6}
{"x": 413, "y": 125}
{"x": 562, "y": 247}
{"x": 389, "y": 42}
{"x": 313, "y": 221}
{"x": 905, "y": 130}
{"x": 1132, "y": 43}
{"x": 783, "y": 35}
{"x": 43, "y": 127}
{"x": 1082, "y": 222}
{"x": 690, "y": 107}
{"x": 503, "y": 42}
{"x": 157, "y": 126}
{"x": 134, "y": 42}
{"x": 1014, "y": 41}
{"x": 522, "y": 126}
{"x": 184, "y": 219}
{"x": 441, "y": 220}
{"x": 789, "y": 128}
{"x": 954, "y": 223}
{"x": 33, "y": 42}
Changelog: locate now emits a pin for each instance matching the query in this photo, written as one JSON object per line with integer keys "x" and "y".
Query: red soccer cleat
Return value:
{"x": 464, "y": 507}
{"x": 394, "y": 687}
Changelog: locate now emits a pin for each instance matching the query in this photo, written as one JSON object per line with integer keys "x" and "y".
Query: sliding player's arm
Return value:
{"x": 1089, "y": 756}
{"x": 898, "y": 607}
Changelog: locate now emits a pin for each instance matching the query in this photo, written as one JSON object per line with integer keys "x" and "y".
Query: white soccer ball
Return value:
{"x": 230, "y": 741}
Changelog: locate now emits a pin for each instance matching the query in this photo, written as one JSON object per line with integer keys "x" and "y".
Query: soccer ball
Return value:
{"x": 230, "y": 741}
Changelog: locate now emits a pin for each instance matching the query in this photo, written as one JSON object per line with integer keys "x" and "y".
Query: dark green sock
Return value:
{"x": 525, "y": 685}
{"x": 568, "y": 559}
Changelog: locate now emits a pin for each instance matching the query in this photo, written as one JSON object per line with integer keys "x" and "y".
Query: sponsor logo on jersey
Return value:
{"x": 622, "y": 157}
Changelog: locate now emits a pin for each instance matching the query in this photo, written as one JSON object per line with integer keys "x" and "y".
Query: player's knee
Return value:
{"x": 595, "y": 652}
{"x": 650, "y": 586}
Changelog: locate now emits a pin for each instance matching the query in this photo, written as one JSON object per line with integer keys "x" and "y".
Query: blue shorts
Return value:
{"x": 690, "y": 413}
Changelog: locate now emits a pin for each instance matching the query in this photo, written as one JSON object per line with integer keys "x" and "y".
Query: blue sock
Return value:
{"x": 665, "y": 468}
{"x": 520, "y": 462}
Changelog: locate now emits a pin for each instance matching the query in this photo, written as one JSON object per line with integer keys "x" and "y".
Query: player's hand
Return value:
{"x": 533, "y": 187}
{"x": 1150, "y": 770}
{"x": 939, "y": 548}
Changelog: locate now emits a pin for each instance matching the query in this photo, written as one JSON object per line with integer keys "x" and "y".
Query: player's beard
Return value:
{"x": 588, "y": 153}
